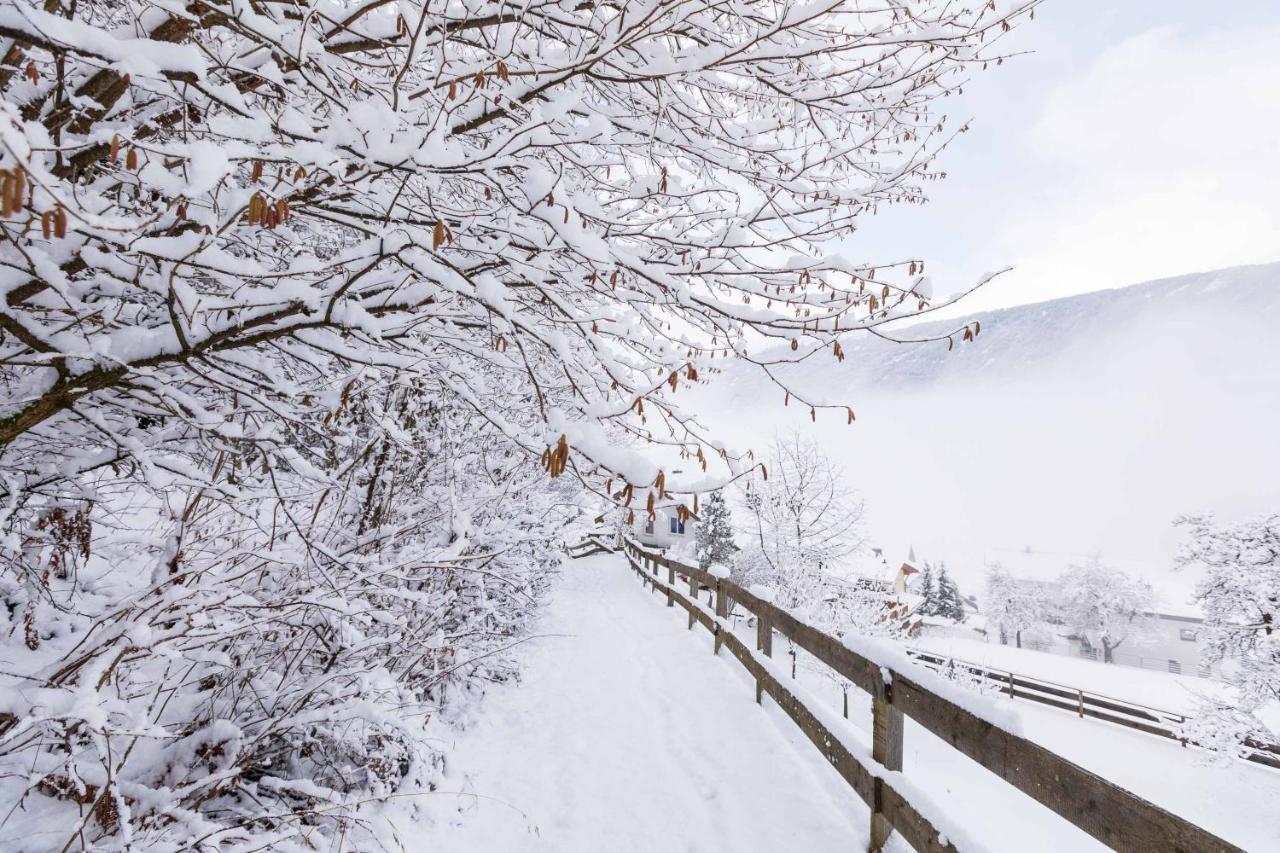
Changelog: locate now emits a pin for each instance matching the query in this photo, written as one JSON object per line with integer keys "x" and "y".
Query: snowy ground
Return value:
{"x": 1162, "y": 690}
{"x": 1235, "y": 800}
{"x": 627, "y": 734}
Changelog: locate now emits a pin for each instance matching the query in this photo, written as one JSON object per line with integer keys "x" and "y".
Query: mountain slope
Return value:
{"x": 1078, "y": 425}
{"x": 1027, "y": 335}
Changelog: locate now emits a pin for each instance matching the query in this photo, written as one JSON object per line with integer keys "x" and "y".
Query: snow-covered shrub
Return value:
{"x": 278, "y": 646}
{"x": 967, "y": 677}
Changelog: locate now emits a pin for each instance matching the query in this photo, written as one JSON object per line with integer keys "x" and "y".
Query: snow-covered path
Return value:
{"x": 627, "y": 734}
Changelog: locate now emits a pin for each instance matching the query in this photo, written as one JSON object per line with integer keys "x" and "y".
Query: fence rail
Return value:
{"x": 592, "y": 543}
{"x": 1084, "y": 703}
{"x": 1116, "y": 817}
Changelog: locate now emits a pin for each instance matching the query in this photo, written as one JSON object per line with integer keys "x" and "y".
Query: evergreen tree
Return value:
{"x": 714, "y": 537}
{"x": 928, "y": 592}
{"x": 949, "y": 603}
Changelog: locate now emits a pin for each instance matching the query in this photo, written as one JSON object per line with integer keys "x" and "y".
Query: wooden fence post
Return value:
{"x": 1080, "y": 699}
{"x": 671, "y": 583}
{"x": 764, "y": 643}
{"x": 764, "y": 636}
{"x": 886, "y": 748}
{"x": 722, "y": 611}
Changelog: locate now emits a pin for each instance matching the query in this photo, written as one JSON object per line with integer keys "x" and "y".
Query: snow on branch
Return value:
{"x": 316, "y": 319}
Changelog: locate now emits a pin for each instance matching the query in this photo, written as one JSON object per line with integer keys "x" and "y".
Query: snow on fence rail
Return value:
{"x": 1116, "y": 817}
{"x": 1085, "y": 703}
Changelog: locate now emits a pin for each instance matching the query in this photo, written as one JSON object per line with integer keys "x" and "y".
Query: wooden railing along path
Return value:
{"x": 592, "y": 543}
{"x": 1116, "y": 817}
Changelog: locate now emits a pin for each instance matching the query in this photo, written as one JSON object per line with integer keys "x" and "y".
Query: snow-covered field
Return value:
{"x": 627, "y": 734}
{"x": 1161, "y": 690}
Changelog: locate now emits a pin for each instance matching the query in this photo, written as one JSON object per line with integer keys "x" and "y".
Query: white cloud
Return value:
{"x": 1158, "y": 159}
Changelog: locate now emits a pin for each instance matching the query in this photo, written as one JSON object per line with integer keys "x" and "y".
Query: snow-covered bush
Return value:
{"x": 308, "y": 307}
{"x": 271, "y": 644}
{"x": 1240, "y": 595}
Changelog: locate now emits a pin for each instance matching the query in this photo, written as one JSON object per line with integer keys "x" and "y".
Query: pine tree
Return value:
{"x": 714, "y": 537}
{"x": 928, "y": 592}
{"x": 949, "y": 603}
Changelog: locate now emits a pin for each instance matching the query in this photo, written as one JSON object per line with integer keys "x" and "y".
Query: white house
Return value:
{"x": 665, "y": 530}
{"x": 1173, "y": 643}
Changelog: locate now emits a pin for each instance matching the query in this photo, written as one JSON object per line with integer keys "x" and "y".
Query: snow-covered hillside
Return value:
{"x": 1081, "y": 424}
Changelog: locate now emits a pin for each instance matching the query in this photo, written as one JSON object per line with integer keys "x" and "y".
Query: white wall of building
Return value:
{"x": 665, "y": 531}
{"x": 1174, "y": 644}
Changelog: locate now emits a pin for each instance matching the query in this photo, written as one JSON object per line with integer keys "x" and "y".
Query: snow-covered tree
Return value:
{"x": 1104, "y": 605}
{"x": 1011, "y": 607}
{"x": 949, "y": 603}
{"x": 714, "y": 537}
{"x": 928, "y": 591}
{"x": 941, "y": 594}
{"x": 801, "y": 522}
{"x": 317, "y": 316}
{"x": 1240, "y": 594}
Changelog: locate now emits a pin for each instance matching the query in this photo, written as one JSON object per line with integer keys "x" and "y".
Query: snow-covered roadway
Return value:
{"x": 627, "y": 734}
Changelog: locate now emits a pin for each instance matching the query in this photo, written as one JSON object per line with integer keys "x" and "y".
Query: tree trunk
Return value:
{"x": 1018, "y": 637}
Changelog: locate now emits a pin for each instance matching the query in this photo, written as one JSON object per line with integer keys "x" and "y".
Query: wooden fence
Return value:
{"x": 1118, "y": 818}
{"x": 1084, "y": 703}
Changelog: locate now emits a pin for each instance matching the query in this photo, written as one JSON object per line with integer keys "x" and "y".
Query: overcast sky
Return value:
{"x": 1139, "y": 139}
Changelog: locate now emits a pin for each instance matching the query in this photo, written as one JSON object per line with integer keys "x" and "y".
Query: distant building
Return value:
{"x": 896, "y": 584}
{"x": 1174, "y": 644}
{"x": 871, "y": 575}
{"x": 665, "y": 529}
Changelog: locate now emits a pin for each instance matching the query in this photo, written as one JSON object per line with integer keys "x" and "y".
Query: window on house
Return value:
{"x": 1187, "y": 634}
{"x": 648, "y": 526}
{"x": 677, "y": 526}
